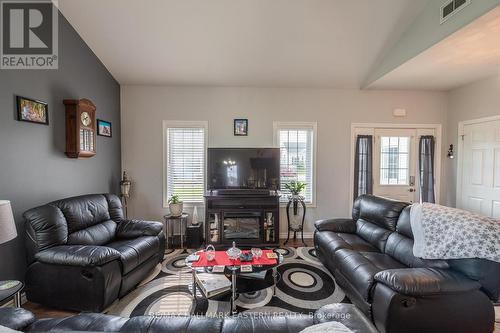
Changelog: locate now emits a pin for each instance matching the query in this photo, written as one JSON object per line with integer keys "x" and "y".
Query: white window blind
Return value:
{"x": 297, "y": 158}
{"x": 185, "y": 174}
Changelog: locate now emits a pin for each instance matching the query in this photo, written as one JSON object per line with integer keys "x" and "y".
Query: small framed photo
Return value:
{"x": 32, "y": 111}
{"x": 104, "y": 128}
{"x": 241, "y": 127}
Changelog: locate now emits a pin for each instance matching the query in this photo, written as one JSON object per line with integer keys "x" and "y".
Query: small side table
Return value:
{"x": 182, "y": 220}
{"x": 11, "y": 289}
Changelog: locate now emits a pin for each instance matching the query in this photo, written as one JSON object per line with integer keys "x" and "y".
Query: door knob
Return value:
{"x": 411, "y": 189}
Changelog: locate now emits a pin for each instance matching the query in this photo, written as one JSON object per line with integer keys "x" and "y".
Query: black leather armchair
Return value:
{"x": 83, "y": 254}
{"x": 371, "y": 257}
{"x": 336, "y": 225}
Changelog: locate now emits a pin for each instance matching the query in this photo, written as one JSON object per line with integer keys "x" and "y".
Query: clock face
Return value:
{"x": 85, "y": 117}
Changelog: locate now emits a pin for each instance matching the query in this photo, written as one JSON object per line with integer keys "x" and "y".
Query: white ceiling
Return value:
{"x": 468, "y": 55}
{"x": 306, "y": 43}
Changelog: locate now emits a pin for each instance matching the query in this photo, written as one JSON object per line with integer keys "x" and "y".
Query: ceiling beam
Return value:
{"x": 424, "y": 32}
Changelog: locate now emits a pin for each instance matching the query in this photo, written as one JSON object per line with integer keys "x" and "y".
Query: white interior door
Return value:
{"x": 480, "y": 176}
{"x": 394, "y": 164}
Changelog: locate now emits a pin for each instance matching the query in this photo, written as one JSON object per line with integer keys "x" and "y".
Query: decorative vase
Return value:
{"x": 176, "y": 209}
{"x": 195, "y": 216}
{"x": 233, "y": 253}
{"x": 210, "y": 252}
{"x": 295, "y": 200}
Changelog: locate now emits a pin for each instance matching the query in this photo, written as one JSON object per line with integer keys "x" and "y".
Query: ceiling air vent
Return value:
{"x": 452, "y": 7}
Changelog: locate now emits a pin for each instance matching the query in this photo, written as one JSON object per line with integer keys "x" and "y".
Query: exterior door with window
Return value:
{"x": 394, "y": 164}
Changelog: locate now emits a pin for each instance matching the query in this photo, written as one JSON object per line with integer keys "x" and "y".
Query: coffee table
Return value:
{"x": 240, "y": 283}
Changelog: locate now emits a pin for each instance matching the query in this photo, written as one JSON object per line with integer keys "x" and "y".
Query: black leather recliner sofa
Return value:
{"x": 371, "y": 257}
{"x": 83, "y": 254}
{"x": 347, "y": 314}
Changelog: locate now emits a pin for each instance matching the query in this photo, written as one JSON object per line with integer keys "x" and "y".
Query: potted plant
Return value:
{"x": 175, "y": 205}
{"x": 295, "y": 187}
{"x": 295, "y": 217}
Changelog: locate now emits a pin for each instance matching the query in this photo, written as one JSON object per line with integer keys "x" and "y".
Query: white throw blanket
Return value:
{"x": 441, "y": 232}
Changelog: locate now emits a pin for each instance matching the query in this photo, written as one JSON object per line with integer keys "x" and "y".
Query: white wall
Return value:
{"x": 144, "y": 108}
{"x": 476, "y": 100}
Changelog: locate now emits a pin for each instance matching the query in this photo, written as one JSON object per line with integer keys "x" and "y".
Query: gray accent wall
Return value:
{"x": 33, "y": 167}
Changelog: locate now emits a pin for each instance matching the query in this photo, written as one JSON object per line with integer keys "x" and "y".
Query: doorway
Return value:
{"x": 394, "y": 164}
{"x": 478, "y": 188}
{"x": 395, "y": 158}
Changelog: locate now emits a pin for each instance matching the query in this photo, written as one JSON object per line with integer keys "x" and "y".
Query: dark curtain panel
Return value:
{"x": 426, "y": 163}
{"x": 363, "y": 180}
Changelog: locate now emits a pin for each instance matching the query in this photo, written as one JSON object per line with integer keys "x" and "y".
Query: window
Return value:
{"x": 298, "y": 145}
{"x": 184, "y": 153}
{"x": 394, "y": 160}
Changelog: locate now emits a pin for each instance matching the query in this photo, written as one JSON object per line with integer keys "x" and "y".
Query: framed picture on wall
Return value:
{"x": 32, "y": 111}
{"x": 104, "y": 128}
{"x": 241, "y": 127}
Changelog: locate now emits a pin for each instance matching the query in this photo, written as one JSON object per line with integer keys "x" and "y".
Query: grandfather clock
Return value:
{"x": 80, "y": 128}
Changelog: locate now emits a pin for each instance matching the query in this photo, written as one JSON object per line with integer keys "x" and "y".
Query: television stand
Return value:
{"x": 247, "y": 217}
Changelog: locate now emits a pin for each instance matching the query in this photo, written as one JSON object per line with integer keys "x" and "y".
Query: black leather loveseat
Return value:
{"x": 347, "y": 314}
{"x": 371, "y": 257}
{"x": 83, "y": 254}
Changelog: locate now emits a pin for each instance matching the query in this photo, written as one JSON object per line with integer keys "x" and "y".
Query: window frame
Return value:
{"x": 298, "y": 125}
{"x": 396, "y": 166}
{"x": 182, "y": 124}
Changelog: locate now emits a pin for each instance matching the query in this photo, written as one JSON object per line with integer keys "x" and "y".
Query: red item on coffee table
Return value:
{"x": 221, "y": 258}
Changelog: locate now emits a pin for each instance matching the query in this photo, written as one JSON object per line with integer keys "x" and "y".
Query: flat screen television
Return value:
{"x": 243, "y": 168}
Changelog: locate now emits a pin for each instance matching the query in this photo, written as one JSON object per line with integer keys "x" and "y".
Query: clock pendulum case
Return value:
{"x": 80, "y": 128}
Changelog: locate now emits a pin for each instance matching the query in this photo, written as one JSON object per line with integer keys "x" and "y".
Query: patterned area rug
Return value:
{"x": 304, "y": 286}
